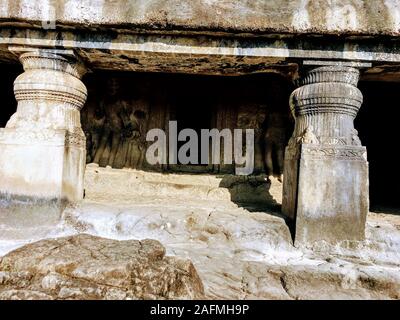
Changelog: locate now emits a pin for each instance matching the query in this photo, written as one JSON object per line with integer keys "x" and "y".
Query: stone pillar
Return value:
{"x": 325, "y": 192}
{"x": 42, "y": 148}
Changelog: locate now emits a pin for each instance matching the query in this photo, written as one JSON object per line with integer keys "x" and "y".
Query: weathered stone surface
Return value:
{"x": 249, "y": 255}
{"x": 219, "y": 55}
{"x": 288, "y": 16}
{"x": 239, "y": 253}
{"x": 126, "y": 184}
{"x": 89, "y": 267}
{"x": 232, "y": 36}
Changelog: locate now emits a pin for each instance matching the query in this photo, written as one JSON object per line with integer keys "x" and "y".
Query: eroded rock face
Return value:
{"x": 88, "y": 267}
{"x": 290, "y": 16}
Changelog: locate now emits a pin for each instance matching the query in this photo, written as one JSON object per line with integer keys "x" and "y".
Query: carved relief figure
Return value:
{"x": 253, "y": 117}
{"x": 308, "y": 136}
{"x": 275, "y": 143}
{"x": 93, "y": 120}
{"x": 355, "y": 140}
{"x": 114, "y": 131}
{"x": 135, "y": 141}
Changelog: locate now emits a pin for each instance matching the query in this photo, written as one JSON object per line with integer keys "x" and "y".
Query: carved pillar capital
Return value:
{"x": 325, "y": 106}
{"x": 44, "y": 137}
{"x": 60, "y": 79}
{"x": 50, "y": 59}
{"x": 50, "y": 93}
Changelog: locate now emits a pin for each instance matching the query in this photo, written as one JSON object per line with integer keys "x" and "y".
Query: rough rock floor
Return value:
{"x": 240, "y": 252}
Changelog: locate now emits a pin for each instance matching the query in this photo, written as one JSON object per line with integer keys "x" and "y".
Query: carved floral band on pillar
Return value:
{"x": 43, "y": 147}
{"x": 325, "y": 192}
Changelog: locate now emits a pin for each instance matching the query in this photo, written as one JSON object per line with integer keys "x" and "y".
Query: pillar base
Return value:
{"x": 42, "y": 165}
{"x": 326, "y": 192}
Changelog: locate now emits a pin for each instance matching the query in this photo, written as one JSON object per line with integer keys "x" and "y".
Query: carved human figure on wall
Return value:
{"x": 93, "y": 120}
{"x": 116, "y": 117}
{"x": 100, "y": 156}
{"x": 114, "y": 131}
{"x": 135, "y": 140}
{"x": 275, "y": 144}
{"x": 252, "y": 117}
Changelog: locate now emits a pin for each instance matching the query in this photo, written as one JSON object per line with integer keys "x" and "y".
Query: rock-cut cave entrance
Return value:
{"x": 192, "y": 108}
{"x": 196, "y": 102}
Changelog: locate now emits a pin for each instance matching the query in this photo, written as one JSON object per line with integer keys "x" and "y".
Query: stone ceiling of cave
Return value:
{"x": 377, "y": 17}
{"x": 200, "y": 36}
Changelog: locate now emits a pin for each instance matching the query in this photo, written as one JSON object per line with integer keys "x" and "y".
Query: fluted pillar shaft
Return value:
{"x": 326, "y": 171}
{"x": 42, "y": 148}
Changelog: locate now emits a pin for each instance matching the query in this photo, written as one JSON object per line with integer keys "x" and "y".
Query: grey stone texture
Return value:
{"x": 236, "y": 16}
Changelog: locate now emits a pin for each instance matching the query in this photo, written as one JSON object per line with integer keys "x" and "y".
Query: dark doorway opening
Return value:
{"x": 195, "y": 116}
{"x": 193, "y": 109}
{"x": 8, "y": 73}
{"x": 378, "y": 125}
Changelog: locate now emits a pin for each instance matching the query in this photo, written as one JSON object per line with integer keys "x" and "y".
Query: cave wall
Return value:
{"x": 122, "y": 107}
